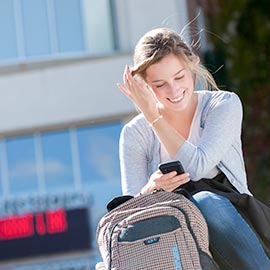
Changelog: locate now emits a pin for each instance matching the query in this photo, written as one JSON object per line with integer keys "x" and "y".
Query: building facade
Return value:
{"x": 61, "y": 117}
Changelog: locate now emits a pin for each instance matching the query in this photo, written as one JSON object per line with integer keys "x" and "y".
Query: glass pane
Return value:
{"x": 69, "y": 25}
{"x": 21, "y": 162}
{"x": 57, "y": 160}
{"x": 98, "y": 148}
{"x": 8, "y": 44}
{"x": 35, "y": 24}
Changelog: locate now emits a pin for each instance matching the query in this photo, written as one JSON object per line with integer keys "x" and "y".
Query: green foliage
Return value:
{"x": 243, "y": 28}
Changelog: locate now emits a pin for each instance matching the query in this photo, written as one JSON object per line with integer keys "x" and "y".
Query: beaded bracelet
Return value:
{"x": 155, "y": 120}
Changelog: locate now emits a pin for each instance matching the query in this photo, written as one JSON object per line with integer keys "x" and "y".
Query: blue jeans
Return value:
{"x": 233, "y": 243}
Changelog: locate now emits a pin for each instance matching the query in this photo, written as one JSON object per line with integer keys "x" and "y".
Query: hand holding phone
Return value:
{"x": 176, "y": 166}
{"x": 171, "y": 166}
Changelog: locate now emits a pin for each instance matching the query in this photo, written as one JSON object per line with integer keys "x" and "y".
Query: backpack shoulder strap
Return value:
{"x": 118, "y": 201}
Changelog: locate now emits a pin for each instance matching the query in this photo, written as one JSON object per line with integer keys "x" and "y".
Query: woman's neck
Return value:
{"x": 182, "y": 120}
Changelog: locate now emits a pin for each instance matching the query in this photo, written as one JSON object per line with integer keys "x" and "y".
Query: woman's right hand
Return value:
{"x": 140, "y": 93}
{"x": 168, "y": 182}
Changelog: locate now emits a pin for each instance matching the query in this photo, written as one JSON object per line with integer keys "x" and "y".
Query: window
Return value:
{"x": 21, "y": 163}
{"x": 69, "y": 25}
{"x": 98, "y": 150}
{"x": 53, "y": 28}
{"x": 57, "y": 161}
{"x": 35, "y": 26}
{"x": 84, "y": 158}
{"x": 8, "y": 44}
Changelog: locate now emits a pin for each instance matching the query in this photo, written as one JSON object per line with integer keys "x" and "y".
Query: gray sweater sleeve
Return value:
{"x": 135, "y": 155}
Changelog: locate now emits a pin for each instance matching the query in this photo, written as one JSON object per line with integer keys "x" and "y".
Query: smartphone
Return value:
{"x": 172, "y": 166}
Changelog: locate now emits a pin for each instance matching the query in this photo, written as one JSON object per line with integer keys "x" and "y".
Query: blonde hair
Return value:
{"x": 157, "y": 43}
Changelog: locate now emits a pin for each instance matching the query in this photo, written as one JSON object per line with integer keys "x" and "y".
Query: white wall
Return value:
{"x": 60, "y": 94}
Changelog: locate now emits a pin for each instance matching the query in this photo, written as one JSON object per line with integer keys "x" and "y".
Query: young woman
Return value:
{"x": 201, "y": 129}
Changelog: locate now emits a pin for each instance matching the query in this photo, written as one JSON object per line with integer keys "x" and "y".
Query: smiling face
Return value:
{"x": 172, "y": 82}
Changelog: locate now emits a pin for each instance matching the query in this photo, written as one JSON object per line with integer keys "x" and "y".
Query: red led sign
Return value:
{"x": 27, "y": 225}
{"x": 45, "y": 232}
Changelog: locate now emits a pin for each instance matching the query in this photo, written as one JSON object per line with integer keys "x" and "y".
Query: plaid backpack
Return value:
{"x": 159, "y": 230}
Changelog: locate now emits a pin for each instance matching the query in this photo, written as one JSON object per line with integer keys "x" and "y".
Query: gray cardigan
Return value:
{"x": 220, "y": 145}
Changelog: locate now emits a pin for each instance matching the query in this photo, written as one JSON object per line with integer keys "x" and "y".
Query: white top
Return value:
{"x": 193, "y": 137}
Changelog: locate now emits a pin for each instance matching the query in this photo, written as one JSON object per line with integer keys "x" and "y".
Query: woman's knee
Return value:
{"x": 207, "y": 200}
{"x": 216, "y": 209}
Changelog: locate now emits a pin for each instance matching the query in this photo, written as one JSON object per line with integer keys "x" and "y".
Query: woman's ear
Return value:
{"x": 133, "y": 71}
